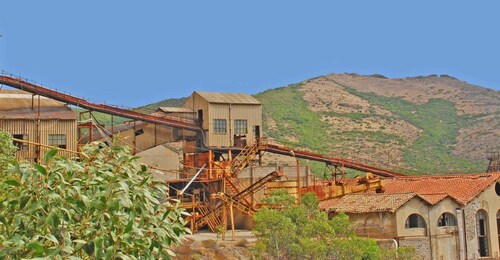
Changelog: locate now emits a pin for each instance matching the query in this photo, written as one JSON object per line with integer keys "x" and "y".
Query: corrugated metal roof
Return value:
{"x": 15, "y": 99}
{"x": 175, "y": 110}
{"x": 17, "y": 104}
{"x": 367, "y": 202}
{"x": 63, "y": 113}
{"x": 228, "y": 98}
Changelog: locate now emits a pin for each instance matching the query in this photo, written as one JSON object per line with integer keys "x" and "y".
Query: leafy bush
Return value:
{"x": 104, "y": 206}
{"x": 7, "y": 150}
{"x": 293, "y": 231}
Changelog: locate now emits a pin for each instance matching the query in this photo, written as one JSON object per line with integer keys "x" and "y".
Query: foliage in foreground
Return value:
{"x": 289, "y": 231}
{"x": 104, "y": 206}
{"x": 7, "y": 150}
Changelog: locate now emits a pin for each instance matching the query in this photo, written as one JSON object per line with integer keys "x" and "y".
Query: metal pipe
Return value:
{"x": 191, "y": 181}
{"x": 396, "y": 245}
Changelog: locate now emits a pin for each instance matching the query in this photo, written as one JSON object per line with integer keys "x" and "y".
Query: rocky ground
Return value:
{"x": 207, "y": 245}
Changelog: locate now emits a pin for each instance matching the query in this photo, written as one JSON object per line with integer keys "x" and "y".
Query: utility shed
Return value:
{"x": 37, "y": 119}
{"x": 227, "y": 119}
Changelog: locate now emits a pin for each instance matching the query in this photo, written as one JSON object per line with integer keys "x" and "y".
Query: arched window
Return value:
{"x": 415, "y": 221}
{"x": 447, "y": 219}
{"x": 482, "y": 232}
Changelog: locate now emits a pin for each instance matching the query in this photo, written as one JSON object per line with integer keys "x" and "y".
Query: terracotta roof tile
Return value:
{"x": 461, "y": 187}
{"x": 367, "y": 202}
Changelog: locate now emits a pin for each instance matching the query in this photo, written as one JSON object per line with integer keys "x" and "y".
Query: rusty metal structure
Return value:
{"x": 215, "y": 191}
{"x": 494, "y": 161}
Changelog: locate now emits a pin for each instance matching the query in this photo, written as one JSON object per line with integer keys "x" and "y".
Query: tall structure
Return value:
{"x": 33, "y": 119}
{"x": 494, "y": 164}
{"x": 227, "y": 119}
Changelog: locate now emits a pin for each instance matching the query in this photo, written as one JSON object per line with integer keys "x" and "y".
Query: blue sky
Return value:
{"x": 133, "y": 53}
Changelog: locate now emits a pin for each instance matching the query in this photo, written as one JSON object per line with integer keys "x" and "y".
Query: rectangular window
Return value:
{"x": 57, "y": 141}
{"x": 240, "y": 126}
{"x": 21, "y": 146}
{"x": 220, "y": 126}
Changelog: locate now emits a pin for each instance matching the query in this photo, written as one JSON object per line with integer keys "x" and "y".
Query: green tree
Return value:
{"x": 7, "y": 150}
{"x": 104, "y": 206}
{"x": 288, "y": 230}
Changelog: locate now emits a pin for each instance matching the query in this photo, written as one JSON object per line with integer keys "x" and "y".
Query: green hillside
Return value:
{"x": 289, "y": 119}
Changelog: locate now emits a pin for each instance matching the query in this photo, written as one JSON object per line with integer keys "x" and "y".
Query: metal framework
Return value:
{"x": 220, "y": 179}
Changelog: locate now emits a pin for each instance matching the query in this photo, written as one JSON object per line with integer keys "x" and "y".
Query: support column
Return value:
{"x": 224, "y": 222}
{"x": 298, "y": 181}
{"x": 232, "y": 220}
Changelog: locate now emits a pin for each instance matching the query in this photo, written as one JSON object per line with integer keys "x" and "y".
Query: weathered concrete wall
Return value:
{"x": 378, "y": 225}
{"x": 445, "y": 244}
{"x": 488, "y": 201}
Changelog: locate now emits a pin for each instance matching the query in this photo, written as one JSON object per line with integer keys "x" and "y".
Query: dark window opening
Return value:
{"x": 21, "y": 146}
{"x": 446, "y": 220}
{"x": 139, "y": 132}
{"x": 482, "y": 232}
{"x": 497, "y": 188}
{"x": 415, "y": 221}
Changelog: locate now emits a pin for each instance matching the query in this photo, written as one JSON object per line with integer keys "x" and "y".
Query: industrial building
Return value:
{"x": 227, "y": 119}
{"x": 35, "y": 120}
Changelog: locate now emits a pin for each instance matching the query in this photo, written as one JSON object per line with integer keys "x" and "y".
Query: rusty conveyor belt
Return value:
{"x": 79, "y": 102}
{"x": 329, "y": 160}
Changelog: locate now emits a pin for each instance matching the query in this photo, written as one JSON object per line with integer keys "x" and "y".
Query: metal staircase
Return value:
{"x": 228, "y": 200}
{"x": 244, "y": 158}
{"x": 211, "y": 215}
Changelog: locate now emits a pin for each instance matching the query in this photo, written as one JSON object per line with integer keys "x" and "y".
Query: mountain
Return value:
{"x": 432, "y": 124}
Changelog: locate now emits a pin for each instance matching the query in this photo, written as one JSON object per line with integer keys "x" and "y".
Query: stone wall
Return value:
{"x": 421, "y": 245}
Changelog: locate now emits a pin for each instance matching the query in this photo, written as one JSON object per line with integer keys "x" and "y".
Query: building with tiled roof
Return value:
{"x": 37, "y": 120}
{"x": 443, "y": 216}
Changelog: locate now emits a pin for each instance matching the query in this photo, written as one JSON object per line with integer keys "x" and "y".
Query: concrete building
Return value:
{"x": 228, "y": 119}
{"x": 442, "y": 216}
{"x": 37, "y": 119}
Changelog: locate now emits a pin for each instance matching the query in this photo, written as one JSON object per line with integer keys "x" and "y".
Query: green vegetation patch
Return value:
{"x": 297, "y": 125}
{"x": 440, "y": 125}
